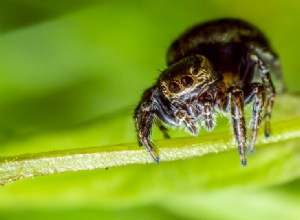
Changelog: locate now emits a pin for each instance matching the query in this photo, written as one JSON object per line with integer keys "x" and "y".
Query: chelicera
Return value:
{"x": 217, "y": 66}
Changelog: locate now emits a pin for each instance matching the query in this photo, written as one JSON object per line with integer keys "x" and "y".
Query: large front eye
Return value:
{"x": 187, "y": 81}
{"x": 174, "y": 87}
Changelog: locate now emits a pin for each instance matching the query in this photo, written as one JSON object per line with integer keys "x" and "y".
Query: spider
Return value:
{"x": 218, "y": 66}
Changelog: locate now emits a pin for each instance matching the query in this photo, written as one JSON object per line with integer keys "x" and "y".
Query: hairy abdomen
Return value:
{"x": 225, "y": 43}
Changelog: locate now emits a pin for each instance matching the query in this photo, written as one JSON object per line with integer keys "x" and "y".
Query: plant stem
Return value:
{"x": 31, "y": 165}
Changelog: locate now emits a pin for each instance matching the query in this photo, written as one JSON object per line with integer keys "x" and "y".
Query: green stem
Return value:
{"x": 31, "y": 165}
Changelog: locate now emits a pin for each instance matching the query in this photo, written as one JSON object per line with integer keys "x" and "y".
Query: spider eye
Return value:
{"x": 174, "y": 87}
{"x": 187, "y": 81}
{"x": 195, "y": 71}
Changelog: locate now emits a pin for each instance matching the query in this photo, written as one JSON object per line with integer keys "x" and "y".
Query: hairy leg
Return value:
{"x": 270, "y": 94}
{"x": 270, "y": 102}
{"x": 143, "y": 123}
{"x": 272, "y": 61}
{"x": 207, "y": 111}
{"x": 255, "y": 93}
{"x": 207, "y": 115}
{"x": 236, "y": 105}
{"x": 183, "y": 118}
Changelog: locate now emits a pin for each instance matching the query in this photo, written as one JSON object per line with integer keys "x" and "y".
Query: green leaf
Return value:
{"x": 25, "y": 166}
{"x": 210, "y": 151}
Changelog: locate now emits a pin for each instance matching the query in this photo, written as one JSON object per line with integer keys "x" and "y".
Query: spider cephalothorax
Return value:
{"x": 219, "y": 65}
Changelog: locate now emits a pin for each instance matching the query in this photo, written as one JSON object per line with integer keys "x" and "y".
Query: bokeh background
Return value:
{"x": 71, "y": 73}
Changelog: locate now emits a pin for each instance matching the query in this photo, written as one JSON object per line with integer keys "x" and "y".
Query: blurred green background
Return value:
{"x": 71, "y": 73}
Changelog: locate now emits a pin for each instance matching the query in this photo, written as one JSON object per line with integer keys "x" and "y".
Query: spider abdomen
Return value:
{"x": 226, "y": 43}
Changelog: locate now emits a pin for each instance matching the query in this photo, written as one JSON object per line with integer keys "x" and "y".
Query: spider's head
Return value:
{"x": 189, "y": 75}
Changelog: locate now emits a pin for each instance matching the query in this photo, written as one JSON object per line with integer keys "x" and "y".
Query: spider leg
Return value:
{"x": 143, "y": 123}
{"x": 255, "y": 92}
{"x": 191, "y": 125}
{"x": 272, "y": 61}
{"x": 236, "y": 105}
{"x": 270, "y": 92}
{"x": 270, "y": 102}
{"x": 162, "y": 128}
{"x": 207, "y": 112}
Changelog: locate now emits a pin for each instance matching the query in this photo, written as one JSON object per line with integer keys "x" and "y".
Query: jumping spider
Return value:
{"x": 217, "y": 66}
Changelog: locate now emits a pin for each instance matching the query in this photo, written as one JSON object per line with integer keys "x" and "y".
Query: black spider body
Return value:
{"x": 225, "y": 43}
{"x": 220, "y": 65}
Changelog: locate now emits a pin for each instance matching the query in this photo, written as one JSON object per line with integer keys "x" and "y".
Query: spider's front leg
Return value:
{"x": 144, "y": 119}
{"x": 236, "y": 106}
{"x": 255, "y": 92}
{"x": 183, "y": 118}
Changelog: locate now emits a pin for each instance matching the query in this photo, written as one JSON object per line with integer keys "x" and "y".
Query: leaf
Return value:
{"x": 40, "y": 164}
